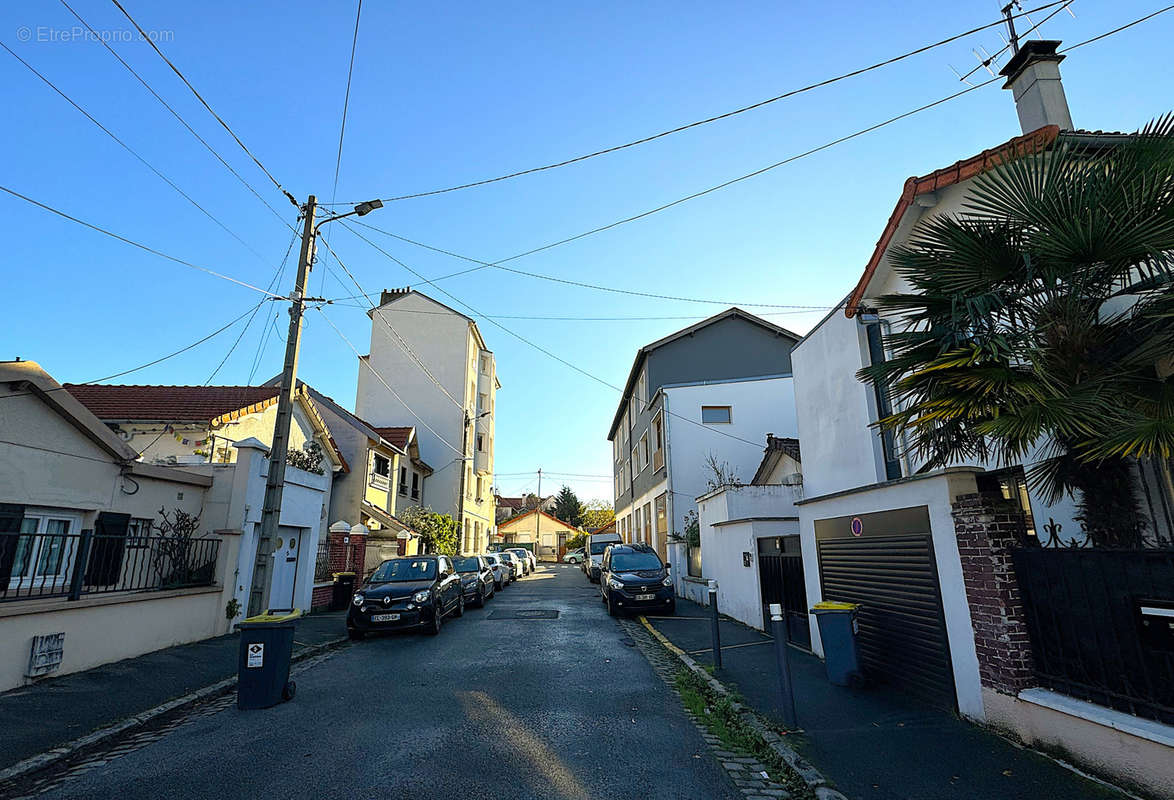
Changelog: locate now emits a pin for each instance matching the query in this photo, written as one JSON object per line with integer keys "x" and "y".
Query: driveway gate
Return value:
{"x": 780, "y": 574}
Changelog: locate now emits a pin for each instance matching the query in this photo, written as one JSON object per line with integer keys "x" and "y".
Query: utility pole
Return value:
{"x": 271, "y": 510}
{"x": 466, "y": 461}
{"x": 538, "y": 519}
{"x": 274, "y": 486}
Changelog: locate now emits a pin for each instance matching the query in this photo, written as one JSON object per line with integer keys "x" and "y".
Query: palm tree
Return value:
{"x": 1039, "y": 324}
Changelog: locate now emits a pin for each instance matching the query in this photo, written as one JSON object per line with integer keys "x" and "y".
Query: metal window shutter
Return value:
{"x": 902, "y": 635}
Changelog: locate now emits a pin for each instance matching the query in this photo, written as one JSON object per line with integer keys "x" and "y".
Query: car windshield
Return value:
{"x": 507, "y": 557}
{"x": 467, "y": 564}
{"x": 519, "y": 553}
{"x": 634, "y": 562}
{"x": 597, "y": 548}
{"x": 491, "y": 559}
{"x": 405, "y": 569}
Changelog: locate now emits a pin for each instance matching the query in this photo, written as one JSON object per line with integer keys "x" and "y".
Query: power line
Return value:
{"x": 387, "y": 385}
{"x": 548, "y": 318}
{"x": 132, "y": 151}
{"x": 726, "y": 115}
{"x": 133, "y": 243}
{"x": 346, "y": 101}
{"x": 176, "y": 114}
{"x": 147, "y": 38}
{"x": 1035, "y": 26}
{"x": 536, "y": 346}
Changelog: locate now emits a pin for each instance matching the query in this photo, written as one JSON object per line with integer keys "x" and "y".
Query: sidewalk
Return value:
{"x": 56, "y": 711}
{"x": 875, "y": 744}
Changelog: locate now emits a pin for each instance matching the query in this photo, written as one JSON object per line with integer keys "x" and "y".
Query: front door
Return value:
{"x": 285, "y": 567}
{"x": 780, "y": 574}
{"x": 562, "y": 547}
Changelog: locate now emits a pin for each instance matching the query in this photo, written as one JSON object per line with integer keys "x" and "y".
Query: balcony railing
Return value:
{"x": 36, "y": 566}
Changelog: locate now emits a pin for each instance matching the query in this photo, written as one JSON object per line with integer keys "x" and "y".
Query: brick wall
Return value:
{"x": 988, "y": 527}
{"x": 346, "y": 553}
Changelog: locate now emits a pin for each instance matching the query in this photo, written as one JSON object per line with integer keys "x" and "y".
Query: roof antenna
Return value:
{"x": 1007, "y": 9}
{"x": 961, "y": 77}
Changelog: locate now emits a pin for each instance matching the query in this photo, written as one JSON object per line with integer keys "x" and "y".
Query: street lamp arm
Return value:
{"x": 361, "y": 210}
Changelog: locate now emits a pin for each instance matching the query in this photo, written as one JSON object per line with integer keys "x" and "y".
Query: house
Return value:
{"x": 511, "y": 506}
{"x": 225, "y": 432}
{"x": 429, "y": 368}
{"x": 545, "y": 534}
{"x": 967, "y": 602}
{"x": 707, "y": 393}
{"x": 86, "y": 574}
{"x": 386, "y": 477}
{"x": 749, "y": 544}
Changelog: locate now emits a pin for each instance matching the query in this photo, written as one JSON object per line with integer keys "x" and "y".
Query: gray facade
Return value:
{"x": 731, "y": 345}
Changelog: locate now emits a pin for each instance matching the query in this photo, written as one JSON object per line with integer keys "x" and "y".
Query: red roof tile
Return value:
{"x": 1034, "y": 142}
{"x": 168, "y": 403}
{"x": 398, "y": 436}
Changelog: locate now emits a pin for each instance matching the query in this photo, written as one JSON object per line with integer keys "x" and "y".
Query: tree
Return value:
{"x": 175, "y": 551}
{"x": 597, "y": 514}
{"x": 530, "y": 502}
{"x": 721, "y": 473}
{"x": 1040, "y": 323}
{"x": 568, "y": 508}
{"x": 577, "y": 541}
{"x": 439, "y": 533}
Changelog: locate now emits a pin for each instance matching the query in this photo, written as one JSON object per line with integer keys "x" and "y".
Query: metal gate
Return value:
{"x": 885, "y": 562}
{"x": 780, "y": 575}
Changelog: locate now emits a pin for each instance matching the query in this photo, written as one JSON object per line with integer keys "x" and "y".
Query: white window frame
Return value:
{"x": 642, "y": 446}
{"x": 729, "y": 415}
{"x": 32, "y": 577}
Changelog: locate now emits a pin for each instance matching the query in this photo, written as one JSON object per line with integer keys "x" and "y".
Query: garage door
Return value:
{"x": 885, "y": 562}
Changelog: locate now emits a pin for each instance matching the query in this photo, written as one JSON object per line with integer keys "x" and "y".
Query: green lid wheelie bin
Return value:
{"x": 263, "y": 669}
{"x": 837, "y": 630}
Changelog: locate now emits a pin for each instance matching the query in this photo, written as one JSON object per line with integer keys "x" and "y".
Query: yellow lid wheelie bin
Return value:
{"x": 265, "y": 652}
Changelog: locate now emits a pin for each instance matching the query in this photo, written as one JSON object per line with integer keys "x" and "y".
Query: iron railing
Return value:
{"x": 322, "y": 563}
{"x": 46, "y": 565}
{"x": 1090, "y": 634}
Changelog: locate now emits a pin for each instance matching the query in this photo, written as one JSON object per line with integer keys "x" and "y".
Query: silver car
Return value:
{"x": 526, "y": 557}
{"x": 513, "y": 562}
{"x": 502, "y": 574}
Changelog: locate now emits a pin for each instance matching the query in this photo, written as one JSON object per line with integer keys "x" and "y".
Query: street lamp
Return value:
{"x": 361, "y": 210}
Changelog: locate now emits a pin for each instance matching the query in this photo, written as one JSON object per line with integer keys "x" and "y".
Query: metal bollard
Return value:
{"x": 717, "y": 637}
{"x": 783, "y": 656}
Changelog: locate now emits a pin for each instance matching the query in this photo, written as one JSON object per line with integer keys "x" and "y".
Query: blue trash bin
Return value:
{"x": 837, "y": 630}
{"x": 266, "y": 649}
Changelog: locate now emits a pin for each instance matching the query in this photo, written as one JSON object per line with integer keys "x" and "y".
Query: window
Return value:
{"x": 415, "y": 485}
{"x": 647, "y": 516}
{"x": 715, "y": 415}
{"x": 635, "y": 461}
{"x": 643, "y": 451}
{"x": 481, "y": 443}
{"x": 479, "y": 486}
{"x": 658, "y": 440}
{"x": 642, "y": 389}
{"x": 44, "y": 552}
{"x": 382, "y": 466}
{"x": 403, "y": 480}
{"x": 137, "y": 531}
{"x": 483, "y": 402}
{"x": 468, "y": 481}
{"x": 380, "y": 471}
{"x": 484, "y": 365}
{"x": 662, "y": 517}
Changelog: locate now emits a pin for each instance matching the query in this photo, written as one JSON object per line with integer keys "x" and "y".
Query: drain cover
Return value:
{"x": 525, "y": 613}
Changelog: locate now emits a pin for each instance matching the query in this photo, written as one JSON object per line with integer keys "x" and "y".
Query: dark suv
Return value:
{"x": 409, "y": 592}
{"x": 633, "y": 578}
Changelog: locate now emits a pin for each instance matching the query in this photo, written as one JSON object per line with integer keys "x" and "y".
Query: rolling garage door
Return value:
{"x": 885, "y": 562}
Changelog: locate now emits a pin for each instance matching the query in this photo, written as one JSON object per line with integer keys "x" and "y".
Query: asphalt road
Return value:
{"x": 492, "y": 708}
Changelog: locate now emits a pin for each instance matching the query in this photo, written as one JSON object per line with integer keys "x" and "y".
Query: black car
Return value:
{"x": 477, "y": 582}
{"x": 633, "y": 578}
{"x": 409, "y": 592}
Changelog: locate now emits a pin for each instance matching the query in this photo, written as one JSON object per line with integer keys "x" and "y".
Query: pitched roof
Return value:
{"x": 776, "y": 446}
{"x": 399, "y": 435}
{"x": 523, "y": 515}
{"x": 1035, "y": 142}
{"x": 170, "y": 403}
{"x": 643, "y": 352}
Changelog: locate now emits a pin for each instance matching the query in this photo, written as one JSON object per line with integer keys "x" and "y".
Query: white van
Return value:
{"x": 593, "y": 552}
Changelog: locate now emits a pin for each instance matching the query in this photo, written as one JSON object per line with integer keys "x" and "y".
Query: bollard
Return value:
{"x": 717, "y": 637}
{"x": 783, "y": 656}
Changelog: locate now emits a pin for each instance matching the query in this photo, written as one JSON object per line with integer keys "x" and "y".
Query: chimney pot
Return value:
{"x": 1033, "y": 76}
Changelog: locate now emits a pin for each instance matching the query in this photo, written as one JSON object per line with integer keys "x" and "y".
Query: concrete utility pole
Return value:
{"x": 538, "y": 518}
{"x": 274, "y": 486}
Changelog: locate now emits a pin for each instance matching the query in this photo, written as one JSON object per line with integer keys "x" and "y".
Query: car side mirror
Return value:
{"x": 667, "y": 565}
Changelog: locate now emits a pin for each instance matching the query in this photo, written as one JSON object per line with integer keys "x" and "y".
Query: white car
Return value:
{"x": 526, "y": 556}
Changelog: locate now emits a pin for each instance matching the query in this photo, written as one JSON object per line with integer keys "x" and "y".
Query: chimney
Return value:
{"x": 1033, "y": 76}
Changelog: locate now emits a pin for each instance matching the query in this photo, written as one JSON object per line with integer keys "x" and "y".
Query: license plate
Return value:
{"x": 384, "y": 617}
{"x": 645, "y": 597}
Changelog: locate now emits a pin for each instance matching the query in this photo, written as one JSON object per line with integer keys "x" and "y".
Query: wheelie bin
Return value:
{"x": 838, "y": 627}
{"x": 263, "y": 669}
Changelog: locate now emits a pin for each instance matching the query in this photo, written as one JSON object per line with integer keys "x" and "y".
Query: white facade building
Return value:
{"x": 429, "y": 368}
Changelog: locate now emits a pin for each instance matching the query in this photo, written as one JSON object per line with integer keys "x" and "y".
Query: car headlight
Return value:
{"x": 668, "y": 581}
{"x": 612, "y": 583}
{"x": 358, "y": 600}
{"x": 422, "y": 596}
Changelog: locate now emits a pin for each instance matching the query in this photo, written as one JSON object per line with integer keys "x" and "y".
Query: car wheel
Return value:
{"x": 481, "y": 596}
{"x": 611, "y": 608}
{"x": 672, "y": 609}
{"x": 437, "y": 621}
{"x": 355, "y": 635}
{"x": 460, "y": 612}
{"x": 289, "y": 690}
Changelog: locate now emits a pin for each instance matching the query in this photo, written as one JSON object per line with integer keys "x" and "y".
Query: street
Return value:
{"x": 493, "y": 707}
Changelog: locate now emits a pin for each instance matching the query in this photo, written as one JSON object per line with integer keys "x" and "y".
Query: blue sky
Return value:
{"x": 444, "y": 94}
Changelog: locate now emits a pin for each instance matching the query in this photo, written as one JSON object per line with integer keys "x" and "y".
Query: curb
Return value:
{"x": 50, "y": 757}
{"x": 814, "y": 779}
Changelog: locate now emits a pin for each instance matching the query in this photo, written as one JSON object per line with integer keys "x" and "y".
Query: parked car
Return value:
{"x": 502, "y": 574}
{"x": 633, "y": 578}
{"x": 512, "y": 562}
{"x": 525, "y": 557}
{"x": 597, "y": 543}
{"x": 477, "y": 581}
{"x": 407, "y": 592}
{"x": 574, "y": 556}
